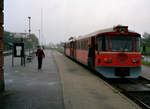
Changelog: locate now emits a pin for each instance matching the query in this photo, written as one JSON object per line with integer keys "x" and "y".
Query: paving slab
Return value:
{"x": 30, "y": 88}
{"x": 84, "y": 90}
{"x": 146, "y": 72}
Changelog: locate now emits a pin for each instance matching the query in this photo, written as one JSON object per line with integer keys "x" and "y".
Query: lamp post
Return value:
{"x": 29, "y": 30}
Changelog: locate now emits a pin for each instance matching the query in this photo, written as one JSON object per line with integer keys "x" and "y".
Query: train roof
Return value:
{"x": 107, "y": 30}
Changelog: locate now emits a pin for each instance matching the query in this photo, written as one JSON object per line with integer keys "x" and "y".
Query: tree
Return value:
{"x": 146, "y": 40}
{"x": 9, "y": 38}
{"x": 145, "y": 44}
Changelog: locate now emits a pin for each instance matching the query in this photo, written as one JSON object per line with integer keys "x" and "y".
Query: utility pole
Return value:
{"x": 2, "y": 85}
{"x": 39, "y": 36}
{"x": 29, "y": 30}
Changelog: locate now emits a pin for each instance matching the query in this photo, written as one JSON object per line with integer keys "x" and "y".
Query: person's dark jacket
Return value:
{"x": 40, "y": 53}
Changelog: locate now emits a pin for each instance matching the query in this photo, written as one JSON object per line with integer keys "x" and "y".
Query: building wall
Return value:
{"x": 1, "y": 45}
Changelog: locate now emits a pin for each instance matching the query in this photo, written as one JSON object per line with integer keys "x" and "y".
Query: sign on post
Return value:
{"x": 18, "y": 50}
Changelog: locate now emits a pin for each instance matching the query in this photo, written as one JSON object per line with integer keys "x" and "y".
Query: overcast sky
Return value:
{"x": 65, "y": 18}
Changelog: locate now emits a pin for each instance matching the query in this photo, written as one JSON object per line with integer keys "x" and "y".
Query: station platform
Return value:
{"x": 26, "y": 87}
{"x": 61, "y": 84}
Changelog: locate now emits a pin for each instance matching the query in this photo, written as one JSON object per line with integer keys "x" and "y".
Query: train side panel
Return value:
{"x": 82, "y": 56}
{"x": 67, "y": 51}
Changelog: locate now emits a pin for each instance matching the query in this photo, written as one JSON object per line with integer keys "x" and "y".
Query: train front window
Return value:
{"x": 125, "y": 43}
{"x": 121, "y": 43}
{"x": 137, "y": 44}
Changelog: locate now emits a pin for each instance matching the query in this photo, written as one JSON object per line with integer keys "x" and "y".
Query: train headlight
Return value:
{"x": 108, "y": 60}
{"x": 135, "y": 60}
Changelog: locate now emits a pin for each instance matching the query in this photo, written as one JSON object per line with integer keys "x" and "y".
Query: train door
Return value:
{"x": 91, "y": 54}
{"x": 72, "y": 49}
{"x": 65, "y": 48}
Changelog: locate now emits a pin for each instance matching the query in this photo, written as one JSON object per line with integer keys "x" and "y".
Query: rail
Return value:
{"x": 137, "y": 90}
{"x": 140, "y": 102}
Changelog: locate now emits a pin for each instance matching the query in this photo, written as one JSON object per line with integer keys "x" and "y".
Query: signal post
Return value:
{"x": 1, "y": 45}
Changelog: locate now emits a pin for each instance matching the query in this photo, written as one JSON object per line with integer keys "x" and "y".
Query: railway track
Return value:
{"x": 137, "y": 90}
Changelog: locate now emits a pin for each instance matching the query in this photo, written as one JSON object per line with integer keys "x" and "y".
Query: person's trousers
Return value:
{"x": 40, "y": 63}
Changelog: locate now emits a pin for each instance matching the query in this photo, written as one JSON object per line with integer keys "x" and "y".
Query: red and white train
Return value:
{"x": 113, "y": 52}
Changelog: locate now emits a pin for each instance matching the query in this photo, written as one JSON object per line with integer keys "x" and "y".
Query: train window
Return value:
{"x": 85, "y": 44}
{"x": 102, "y": 43}
{"x": 105, "y": 48}
{"x": 74, "y": 44}
{"x": 79, "y": 44}
{"x": 121, "y": 43}
{"x": 99, "y": 44}
{"x": 137, "y": 44}
{"x": 88, "y": 42}
{"x": 82, "y": 44}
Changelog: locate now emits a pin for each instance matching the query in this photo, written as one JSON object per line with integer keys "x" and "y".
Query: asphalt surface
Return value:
{"x": 30, "y": 88}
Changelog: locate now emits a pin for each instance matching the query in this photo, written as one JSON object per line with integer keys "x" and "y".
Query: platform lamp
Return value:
{"x": 29, "y": 30}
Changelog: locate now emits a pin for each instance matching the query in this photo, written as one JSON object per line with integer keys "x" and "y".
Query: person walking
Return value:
{"x": 40, "y": 55}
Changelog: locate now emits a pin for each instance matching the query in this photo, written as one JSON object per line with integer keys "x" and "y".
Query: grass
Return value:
{"x": 147, "y": 53}
{"x": 145, "y": 63}
{"x": 61, "y": 50}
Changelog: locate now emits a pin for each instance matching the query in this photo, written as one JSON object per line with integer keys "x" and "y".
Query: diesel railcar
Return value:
{"x": 113, "y": 52}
